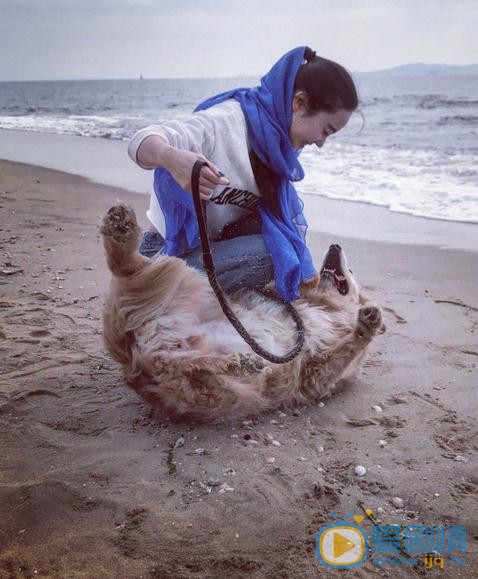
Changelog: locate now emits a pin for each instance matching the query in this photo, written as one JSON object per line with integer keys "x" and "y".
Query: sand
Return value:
{"x": 93, "y": 484}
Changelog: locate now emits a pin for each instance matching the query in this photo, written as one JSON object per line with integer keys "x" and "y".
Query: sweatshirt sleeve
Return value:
{"x": 194, "y": 133}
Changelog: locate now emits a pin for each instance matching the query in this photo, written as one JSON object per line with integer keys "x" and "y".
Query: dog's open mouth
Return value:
{"x": 332, "y": 268}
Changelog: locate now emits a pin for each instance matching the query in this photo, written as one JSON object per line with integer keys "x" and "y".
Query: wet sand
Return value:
{"x": 92, "y": 484}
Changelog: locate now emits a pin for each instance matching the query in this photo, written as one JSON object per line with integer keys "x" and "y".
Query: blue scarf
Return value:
{"x": 268, "y": 112}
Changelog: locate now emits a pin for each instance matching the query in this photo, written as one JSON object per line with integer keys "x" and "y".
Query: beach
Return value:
{"x": 94, "y": 485}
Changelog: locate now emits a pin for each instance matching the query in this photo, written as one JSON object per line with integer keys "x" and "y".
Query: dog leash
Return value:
{"x": 211, "y": 274}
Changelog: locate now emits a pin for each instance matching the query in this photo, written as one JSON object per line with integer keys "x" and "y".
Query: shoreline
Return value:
{"x": 106, "y": 162}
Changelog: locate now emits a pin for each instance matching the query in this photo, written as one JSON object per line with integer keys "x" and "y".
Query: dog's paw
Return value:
{"x": 120, "y": 224}
{"x": 369, "y": 321}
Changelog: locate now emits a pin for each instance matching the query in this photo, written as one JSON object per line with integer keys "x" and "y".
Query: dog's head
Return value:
{"x": 336, "y": 278}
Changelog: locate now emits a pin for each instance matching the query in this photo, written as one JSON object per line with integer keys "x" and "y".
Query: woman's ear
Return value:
{"x": 300, "y": 102}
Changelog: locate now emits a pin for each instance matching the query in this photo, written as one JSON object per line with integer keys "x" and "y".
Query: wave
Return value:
{"x": 458, "y": 119}
{"x": 85, "y": 126}
{"x": 403, "y": 209}
{"x": 121, "y": 126}
{"x": 418, "y": 182}
{"x": 438, "y": 101}
{"x": 427, "y": 102}
{"x": 435, "y": 182}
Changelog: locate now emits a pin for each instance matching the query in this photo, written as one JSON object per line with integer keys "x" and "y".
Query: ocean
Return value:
{"x": 413, "y": 146}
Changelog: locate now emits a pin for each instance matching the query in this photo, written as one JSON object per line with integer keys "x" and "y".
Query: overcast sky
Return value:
{"x": 60, "y": 39}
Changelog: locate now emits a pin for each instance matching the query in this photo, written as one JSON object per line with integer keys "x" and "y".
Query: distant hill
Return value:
{"x": 420, "y": 69}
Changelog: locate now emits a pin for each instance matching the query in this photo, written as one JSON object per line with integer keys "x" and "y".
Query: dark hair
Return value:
{"x": 267, "y": 182}
{"x": 329, "y": 87}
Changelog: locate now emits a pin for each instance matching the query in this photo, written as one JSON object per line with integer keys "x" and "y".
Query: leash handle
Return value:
{"x": 211, "y": 273}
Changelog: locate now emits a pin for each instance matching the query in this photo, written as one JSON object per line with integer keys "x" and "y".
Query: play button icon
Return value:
{"x": 341, "y": 546}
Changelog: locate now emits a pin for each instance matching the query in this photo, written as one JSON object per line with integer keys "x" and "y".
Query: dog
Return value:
{"x": 164, "y": 325}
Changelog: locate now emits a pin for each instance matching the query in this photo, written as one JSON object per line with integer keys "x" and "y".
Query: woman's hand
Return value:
{"x": 154, "y": 151}
{"x": 180, "y": 164}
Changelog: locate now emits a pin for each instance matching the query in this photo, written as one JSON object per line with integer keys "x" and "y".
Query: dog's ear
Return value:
{"x": 308, "y": 286}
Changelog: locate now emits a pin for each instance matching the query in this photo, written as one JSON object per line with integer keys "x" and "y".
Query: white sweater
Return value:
{"x": 220, "y": 134}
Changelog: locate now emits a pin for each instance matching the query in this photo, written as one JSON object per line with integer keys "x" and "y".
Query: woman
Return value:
{"x": 251, "y": 140}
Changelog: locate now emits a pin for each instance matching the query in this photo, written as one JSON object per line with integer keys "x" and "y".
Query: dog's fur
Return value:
{"x": 164, "y": 325}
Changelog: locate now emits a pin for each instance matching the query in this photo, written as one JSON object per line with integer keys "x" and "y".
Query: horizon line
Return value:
{"x": 251, "y": 75}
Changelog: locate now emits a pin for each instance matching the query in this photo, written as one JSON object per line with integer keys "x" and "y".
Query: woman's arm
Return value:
{"x": 150, "y": 150}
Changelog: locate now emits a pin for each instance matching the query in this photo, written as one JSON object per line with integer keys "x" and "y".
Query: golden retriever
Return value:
{"x": 164, "y": 325}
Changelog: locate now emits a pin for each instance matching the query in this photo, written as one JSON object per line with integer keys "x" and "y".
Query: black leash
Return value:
{"x": 211, "y": 273}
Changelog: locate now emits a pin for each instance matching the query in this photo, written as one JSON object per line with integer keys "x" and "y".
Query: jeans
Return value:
{"x": 241, "y": 262}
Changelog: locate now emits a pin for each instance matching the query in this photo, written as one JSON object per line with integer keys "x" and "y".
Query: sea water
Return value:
{"x": 412, "y": 146}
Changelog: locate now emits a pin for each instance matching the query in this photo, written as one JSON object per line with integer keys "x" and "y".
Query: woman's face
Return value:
{"x": 307, "y": 129}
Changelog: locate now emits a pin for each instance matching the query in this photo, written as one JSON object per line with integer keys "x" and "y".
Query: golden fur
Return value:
{"x": 164, "y": 325}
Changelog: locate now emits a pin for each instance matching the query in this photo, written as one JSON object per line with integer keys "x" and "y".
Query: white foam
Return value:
{"x": 86, "y": 126}
{"x": 424, "y": 183}
{"x": 420, "y": 183}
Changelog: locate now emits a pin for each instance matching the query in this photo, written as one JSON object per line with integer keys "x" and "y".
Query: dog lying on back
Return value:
{"x": 164, "y": 325}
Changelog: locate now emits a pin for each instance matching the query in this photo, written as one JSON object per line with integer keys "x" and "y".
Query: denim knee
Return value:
{"x": 240, "y": 263}
{"x": 151, "y": 244}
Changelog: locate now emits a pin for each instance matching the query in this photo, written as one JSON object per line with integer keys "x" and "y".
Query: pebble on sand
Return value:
{"x": 225, "y": 488}
{"x": 377, "y": 408}
{"x": 397, "y": 502}
{"x": 360, "y": 470}
{"x": 374, "y": 488}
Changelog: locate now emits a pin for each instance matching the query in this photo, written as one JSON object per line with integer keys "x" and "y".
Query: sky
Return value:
{"x": 83, "y": 39}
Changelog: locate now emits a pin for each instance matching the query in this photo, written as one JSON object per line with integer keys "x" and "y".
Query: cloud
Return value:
{"x": 161, "y": 38}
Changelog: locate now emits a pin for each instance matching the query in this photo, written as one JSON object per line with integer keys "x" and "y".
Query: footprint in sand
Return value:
{"x": 326, "y": 498}
{"x": 78, "y": 425}
{"x": 375, "y": 360}
{"x": 392, "y": 422}
{"x": 40, "y": 333}
{"x": 130, "y": 535}
{"x": 29, "y": 324}
{"x": 276, "y": 488}
{"x": 462, "y": 489}
{"x": 456, "y": 439}
{"x": 397, "y": 399}
{"x": 339, "y": 473}
{"x": 41, "y": 505}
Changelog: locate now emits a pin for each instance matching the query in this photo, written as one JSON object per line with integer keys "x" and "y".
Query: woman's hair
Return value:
{"x": 329, "y": 87}
{"x": 267, "y": 182}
